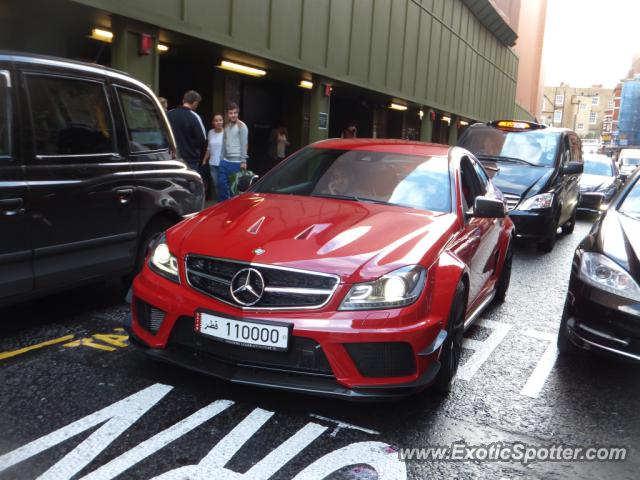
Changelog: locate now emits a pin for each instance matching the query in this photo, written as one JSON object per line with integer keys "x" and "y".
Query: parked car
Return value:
{"x": 350, "y": 270}
{"x": 537, "y": 168}
{"x": 599, "y": 182}
{"x": 602, "y": 310}
{"x": 629, "y": 160}
{"x": 88, "y": 175}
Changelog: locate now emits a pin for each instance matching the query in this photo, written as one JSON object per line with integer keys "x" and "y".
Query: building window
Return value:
{"x": 559, "y": 99}
{"x": 595, "y": 100}
{"x": 580, "y": 126}
{"x": 557, "y": 116}
{"x": 610, "y": 104}
{"x": 593, "y": 117}
{"x": 583, "y": 106}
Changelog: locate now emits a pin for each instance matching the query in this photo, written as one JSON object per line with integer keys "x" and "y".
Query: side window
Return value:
{"x": 145, "y": 128}
{"x": 482, "y": 177}
{"x": 566, "y": 150}
{"x": 576, "y": 149}
{"x": 5, "y": 114}
{"x": 70, "y": 116}
{"x": 471, "y": 185}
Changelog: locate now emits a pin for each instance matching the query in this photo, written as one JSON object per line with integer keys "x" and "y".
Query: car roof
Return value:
{"x": 36, "y": 59}
{"x": 390, "y": 145}
{"x": 541, "y": 130}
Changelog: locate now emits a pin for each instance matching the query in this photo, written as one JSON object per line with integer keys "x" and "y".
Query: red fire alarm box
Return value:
{"x": 146, "y": 44}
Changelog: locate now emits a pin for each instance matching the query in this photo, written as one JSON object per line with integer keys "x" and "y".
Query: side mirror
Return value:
{"x": 254, "y": 179}
{"x": 573, "y": 168}
{"x": 485, "y": 207}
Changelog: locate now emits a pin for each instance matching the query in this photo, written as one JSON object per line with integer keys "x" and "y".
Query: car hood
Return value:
{"x": 352, "y": 239}
{"x": 618, "y": 238}
{"x": 590, "y": 182}
{"x": 519, "y": 179}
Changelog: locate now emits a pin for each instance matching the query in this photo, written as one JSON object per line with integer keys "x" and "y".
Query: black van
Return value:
{"x": 88, "y": 174}
{"x": 537, "y": 168}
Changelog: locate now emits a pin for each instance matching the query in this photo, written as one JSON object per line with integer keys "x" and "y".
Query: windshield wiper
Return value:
{"x": 339, "y": 197}
{"x": 507, "y": 159}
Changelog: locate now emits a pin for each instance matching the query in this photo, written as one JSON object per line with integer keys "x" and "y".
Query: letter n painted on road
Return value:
{"x": 118, "y": 417}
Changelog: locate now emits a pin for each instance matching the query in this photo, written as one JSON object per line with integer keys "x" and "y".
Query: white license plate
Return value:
{"x": 244, "y": 332}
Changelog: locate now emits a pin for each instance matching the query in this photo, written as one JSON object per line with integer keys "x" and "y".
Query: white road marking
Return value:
{"x": 340, "y": 425}
{"x": 378, "y": 455}
{"x": 118, "y": 465}
{"x": 482, "y": 349}
{"x": 538, "y": 378}
{"x": 118, "y": 417}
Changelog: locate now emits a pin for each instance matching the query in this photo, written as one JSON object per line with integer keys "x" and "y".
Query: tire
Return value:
{"x": 155, "y": 228}
{"x": 452, "y": 348}
{"x": 565, "y": 346}
{"x": 567, "y": 228}
{"x": 502, "y": 284}
{"x": 546, "y": 245}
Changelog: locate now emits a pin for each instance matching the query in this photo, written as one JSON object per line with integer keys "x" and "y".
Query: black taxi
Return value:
{"x": 538, "y": 170}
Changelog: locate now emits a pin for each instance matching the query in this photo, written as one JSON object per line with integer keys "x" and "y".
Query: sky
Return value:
{"x": 589, "y": 42}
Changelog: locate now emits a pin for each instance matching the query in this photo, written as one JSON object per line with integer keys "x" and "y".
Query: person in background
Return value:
{"x": 350, "y": 131}
{"x": 278, "y": 142}
{"x": 214, "y": 149}
{"x": 164, "y": 103}
{"x": 233, "y": 156}
{"x": 188, "y": 130}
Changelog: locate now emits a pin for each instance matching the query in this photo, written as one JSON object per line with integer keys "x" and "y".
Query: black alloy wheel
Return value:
{"x": 565, "y": 346}
{"x": 502, "y": 285}
{"x": 452, "y": 348}
{"x": 567, "y": 228}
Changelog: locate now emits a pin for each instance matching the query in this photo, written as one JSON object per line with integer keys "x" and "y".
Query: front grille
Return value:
{"x": 512, "y": 200}
{"x": 149, "y": 317}
{"x": 382, "y": 359}
{"x": 283, "y": 287}
{"x": 303, "y": 356}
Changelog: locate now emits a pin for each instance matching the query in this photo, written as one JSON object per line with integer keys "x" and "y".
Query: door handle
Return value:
{"x": 11, "y": 206}
{"x": 124, "y": 194}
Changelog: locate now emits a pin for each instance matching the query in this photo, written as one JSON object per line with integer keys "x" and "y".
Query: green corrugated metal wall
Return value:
{"x": 431, "y": 52}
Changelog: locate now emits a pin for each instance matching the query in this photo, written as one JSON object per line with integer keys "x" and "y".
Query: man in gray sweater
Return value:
{"x": 234, "y": 150}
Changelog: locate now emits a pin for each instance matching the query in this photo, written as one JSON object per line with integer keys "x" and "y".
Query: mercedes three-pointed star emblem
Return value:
{"x": 247, "y": 287}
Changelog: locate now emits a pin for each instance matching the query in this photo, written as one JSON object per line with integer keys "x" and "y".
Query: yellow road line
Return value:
{"x": 4, "y": 355}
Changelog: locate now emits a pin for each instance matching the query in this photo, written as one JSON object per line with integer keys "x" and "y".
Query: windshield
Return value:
{"x": 391, "y": 178}
{"x": 631, "y": 204}
{"x": 631, "y": 161}
{"x": 598, "y": 165}
{"x": 537, "y": 147}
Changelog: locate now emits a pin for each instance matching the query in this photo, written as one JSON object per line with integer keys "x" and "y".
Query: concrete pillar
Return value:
{"x": 319, "y": 106}
{"x": 125, "y": 51}
{"x": 426, "y": 127}
{"x": 453, "y": 130}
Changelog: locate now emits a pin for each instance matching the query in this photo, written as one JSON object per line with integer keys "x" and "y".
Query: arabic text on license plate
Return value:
{"x": 247, "y": 333}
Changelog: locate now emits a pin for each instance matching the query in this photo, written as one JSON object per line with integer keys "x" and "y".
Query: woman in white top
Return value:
{"x": 214, "y": 147}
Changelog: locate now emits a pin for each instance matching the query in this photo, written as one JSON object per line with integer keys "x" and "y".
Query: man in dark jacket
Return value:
{"x": 188, "y": 129}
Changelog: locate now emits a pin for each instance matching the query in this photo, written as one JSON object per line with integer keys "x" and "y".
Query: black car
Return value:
{"x": 537, "y": 168}
{"x": 599, "y": 182}
{"x": 602, "y": 310}
{"x": 88, "y": 174}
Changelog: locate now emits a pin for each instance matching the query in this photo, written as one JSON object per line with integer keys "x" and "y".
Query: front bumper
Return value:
{"x": 319, "y": 360}
{"x": 534, "y": 224}
{"x": 601, "y": 321}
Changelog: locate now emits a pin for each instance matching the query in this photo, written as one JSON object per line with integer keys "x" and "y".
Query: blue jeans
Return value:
{"x": 214, "y": 180}
{"x": 225, "y": 169}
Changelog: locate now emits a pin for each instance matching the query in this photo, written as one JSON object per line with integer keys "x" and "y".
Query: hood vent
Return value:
{"x": 255, "y": 228}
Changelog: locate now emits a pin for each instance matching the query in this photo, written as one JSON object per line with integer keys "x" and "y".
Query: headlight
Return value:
{"x": 163, "y": 262}
{"x": 544, "y": 200}
{"x": 605, "y": 274}
{"x": 396, "y": 289}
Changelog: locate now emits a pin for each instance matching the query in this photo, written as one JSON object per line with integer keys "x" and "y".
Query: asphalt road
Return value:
{"x": 87, "y": 404}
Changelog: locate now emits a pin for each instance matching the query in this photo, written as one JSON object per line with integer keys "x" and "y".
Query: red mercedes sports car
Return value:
{"x": 350, "y": 270}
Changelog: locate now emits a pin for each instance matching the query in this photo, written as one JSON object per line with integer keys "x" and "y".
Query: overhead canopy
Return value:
{"x": 493, "y": 19}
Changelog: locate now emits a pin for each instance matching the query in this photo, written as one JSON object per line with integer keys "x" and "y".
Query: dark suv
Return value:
{"x": 537, "y": 168}
{"x": 88, "y": 174}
